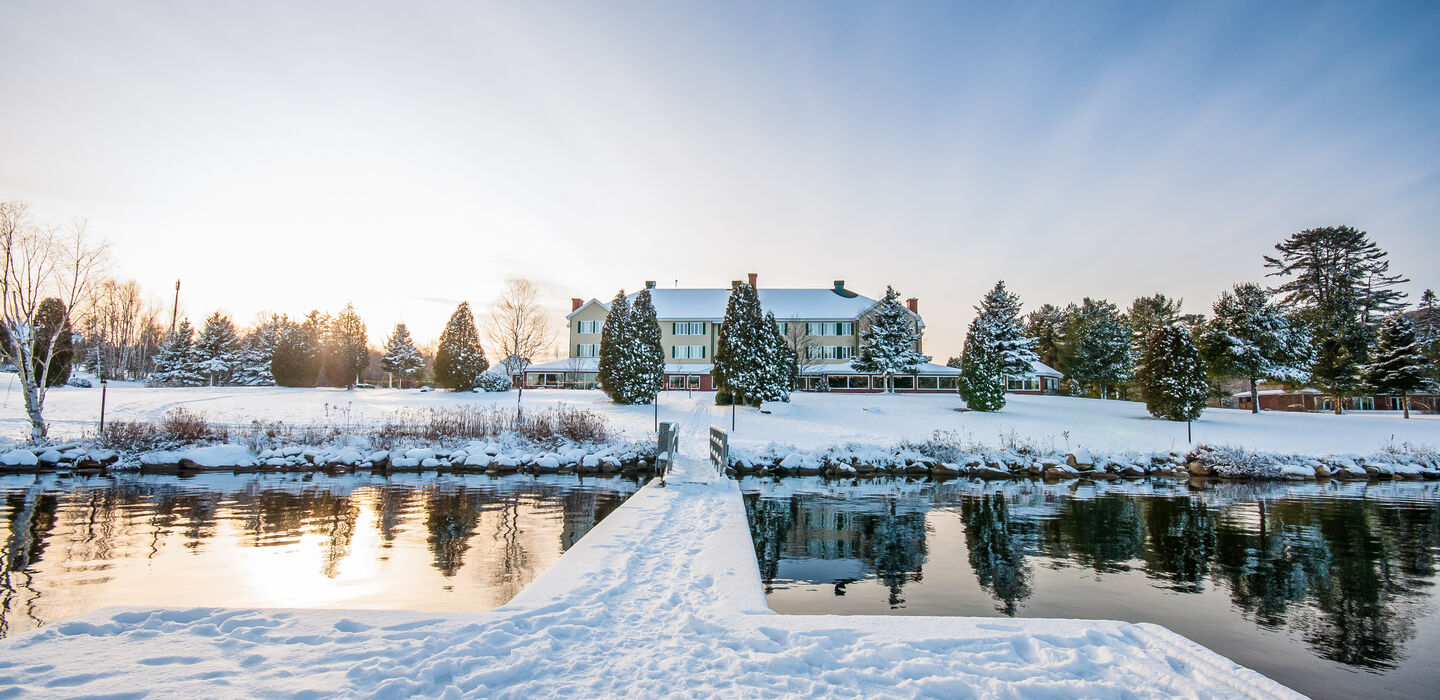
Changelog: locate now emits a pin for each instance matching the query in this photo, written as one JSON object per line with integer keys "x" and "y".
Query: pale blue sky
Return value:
{"x": 405, "y": 156}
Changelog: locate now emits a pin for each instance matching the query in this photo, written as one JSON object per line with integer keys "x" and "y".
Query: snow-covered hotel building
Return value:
{"x": 827, "y": 322}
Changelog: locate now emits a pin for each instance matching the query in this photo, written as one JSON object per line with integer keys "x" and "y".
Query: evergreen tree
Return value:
{"x": 1427, "y": 331}
{"x": 1172, "y": 375}
{"x": 296, "y": 360}
{"x": 347, "y": 353}
{"x": 460, "y": 359}
{"x": 401, "y": 356}
{"x": 1047, "y": 326}
{"x": 1096, "y": 351}
{"x": 786, "y": 375}
{"x": 614, "y": 363}
{"x": 995, "y": 349}
{"x": 744, "y": 352}
{"x": 953, "y": 363}
{"x": 174, "y": 365}
{"x": 1399, "y": 366}
{"x": 216, "y": 351}
{"x": 647, "y": 354}
{"x": 888, "y": 345}
{"x": 1338, "y": 282}
{"x": 257, "y": 352}
{"x": 49, "y": 316}
{"x": 1148, "y": 313}
{"x": 1250, "y": 338}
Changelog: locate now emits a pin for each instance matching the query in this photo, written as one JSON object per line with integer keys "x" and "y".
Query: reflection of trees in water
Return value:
{"x": 32, "y": 515}
{"x": 1103, "y": 533}
{"x": 1182, "y": 542}
{"x": 771, "y": 522}
{"x": 337, "y": 515}
{"x": 897, "y": 547}
{"x": 391, "y": 504}
{"x": 450, "y": 516}
{"x": 996, "y": 551}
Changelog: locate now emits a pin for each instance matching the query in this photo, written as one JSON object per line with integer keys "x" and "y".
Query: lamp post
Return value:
{"x": 103, "y": 385}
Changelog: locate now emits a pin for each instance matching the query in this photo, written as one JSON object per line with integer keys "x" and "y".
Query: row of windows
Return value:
{"x": 588, "y": 327}
{"x": 564, "y": 380}
{"x": 701, "y": 328}
{"x": 827, "y": 328}
{"x": 829, "y": 352}
{"x": 841, "y": 381}
{"x": 688, "y": 328}
{"x": 684, "y": 381}
{"x": 687, "y": 352}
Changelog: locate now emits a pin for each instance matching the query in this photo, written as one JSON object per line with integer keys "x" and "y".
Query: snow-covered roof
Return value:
{"x": 1277, "y": 392}
{"x": 592, "y": 364}
{"x": 1040, "y": 369}
{"x": 823, "y": 304}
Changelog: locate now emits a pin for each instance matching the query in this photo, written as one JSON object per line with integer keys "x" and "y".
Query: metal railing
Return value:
{"x": 668, "y": 441}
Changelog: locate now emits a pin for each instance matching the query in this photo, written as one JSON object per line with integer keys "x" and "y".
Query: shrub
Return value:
{"x": 80, "y": 383}
{"x": 182, "y": 425}
{"x": 128, "y": 436}
{"x": 723, "y": 397}
{"x": 491, "y": 380}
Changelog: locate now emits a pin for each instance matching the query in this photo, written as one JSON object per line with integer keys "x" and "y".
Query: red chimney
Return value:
{"x": 913, "y": 304}
{"x": 752, "y": 280}
{"x": 576, "y": 303}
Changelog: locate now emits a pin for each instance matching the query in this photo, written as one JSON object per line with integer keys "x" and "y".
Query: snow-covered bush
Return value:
{"x": 80, "y": 383}
{"x": 491, "y": 380}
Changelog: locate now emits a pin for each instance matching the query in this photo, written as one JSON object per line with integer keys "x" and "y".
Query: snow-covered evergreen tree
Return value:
{"x": 1172, "y": 375}
{"x": 614, "y": 364}
{"x": 1096, "y": 350}
{"x": 744, "y": 352}
{"x": 460, "y": 359}
{"x": 216, "y": 350}
{"x": 258, "y": 352}
{"x": 647, "y": 354}
{"x": 887, "y": 346}
{"x": 1400, "y": 366}
{"x": 786, "y": 362}
{"x": 347, "y": 349}
{"x": 174, "y": 361}
{"x": 1047, "y": 326}
{"x": 401, "y": 358}
{"x": 995, "y": 349}
{"x": 1250, "y": 338}
{"x": 1145, "y": 315}
{"x": 1339, "y": 369}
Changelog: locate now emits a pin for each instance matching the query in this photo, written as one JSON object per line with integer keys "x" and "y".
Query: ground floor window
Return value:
{"x": 548, "y": 379}
{"x": 902, "y": 382}
{"x": 813, "y": 383}
{"x": 839, "y": 381}
{"x": 1397, "y": 403}
{"x": 951, "y": 383}
{"x": 1022, "y": 384}
{"x": 927, "y": 382}
{"x": 1365, "y": 403}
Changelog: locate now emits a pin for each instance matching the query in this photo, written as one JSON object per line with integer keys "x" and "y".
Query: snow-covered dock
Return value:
{"x": 662, "y": 598}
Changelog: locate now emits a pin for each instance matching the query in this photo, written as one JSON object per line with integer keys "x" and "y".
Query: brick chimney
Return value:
{"x": 576, "y": 303}
{"x": 649, "y": 284}
{"x": 752, "y": 280}
{"x": 913, "y": 304}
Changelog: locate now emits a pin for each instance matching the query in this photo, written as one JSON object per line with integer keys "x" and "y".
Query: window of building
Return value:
{"x": 838, "y": 381}
{"x": 906, "y": 382}
{"x": 687, "y": 352}
{"x": 1365, "y": 403}
{"x": 688, "y": 328}
{"x": 588, "y": 327}
{"x": 830, "y": 352}
{"x": 694, "y": 381}
{"x": 1025, "y": 384}
{"x": 587, "y": 350}
{"x": 548, "y": 379}
{"x": 677, "y": 381}
{"x": 830, "y": 328}
{"x": 1397, "y": 403}
{"x": 783, "y": 327}
{"x": 928, "y": 382}
{"x": 951, "y": 383}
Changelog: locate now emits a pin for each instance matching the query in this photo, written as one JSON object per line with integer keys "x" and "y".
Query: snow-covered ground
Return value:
{"x": 662, "y": 598}
{"x": 810, "y": 420}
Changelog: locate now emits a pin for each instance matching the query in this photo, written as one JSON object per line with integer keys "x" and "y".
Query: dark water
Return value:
{"x": 415, "y": 542}
{"x": 1329, "y": 589}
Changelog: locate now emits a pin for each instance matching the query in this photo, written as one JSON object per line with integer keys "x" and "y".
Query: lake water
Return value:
{"x": 410, "y": 541}
{"x": 1330, "y": 589}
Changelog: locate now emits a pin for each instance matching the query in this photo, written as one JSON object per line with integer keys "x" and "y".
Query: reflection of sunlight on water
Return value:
{"x": 443, "y": 543}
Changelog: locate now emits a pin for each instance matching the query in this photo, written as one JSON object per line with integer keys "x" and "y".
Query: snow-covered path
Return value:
{"x": 662, "y": 598}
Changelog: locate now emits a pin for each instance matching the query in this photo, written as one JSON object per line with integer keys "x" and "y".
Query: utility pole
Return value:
{"x": 175, "y": 310}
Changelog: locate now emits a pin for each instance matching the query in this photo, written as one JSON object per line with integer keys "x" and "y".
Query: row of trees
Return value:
{"x": 1335, "y": 321}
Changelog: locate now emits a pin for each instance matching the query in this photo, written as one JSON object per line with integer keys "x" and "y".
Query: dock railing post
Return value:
{"x": 668, "y": 437}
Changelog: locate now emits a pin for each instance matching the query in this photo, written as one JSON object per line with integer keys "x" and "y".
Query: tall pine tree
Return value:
{"x": 460, "y": 359}
{"x": 888, "y": 345}
{"x": 1172, "y": 375}
{"x": 296, "y": 360}
{"x": 613, "y": 364}
{"x": 647, "y": 354}
{"x": 1399, "y": 366}
{"x": 744, "y": 365}
{"x": 401, "y": 356}
{"x": 786, "y": 375}
{"x": 216, "y": 351}
{"x": 1250, "y": 338}
{"x": 347, "y": 351}
{"x": 1047, "y": 326}
{"x": 995, "y": 349}
{"x": 174, "y": 362}
{"x": 1096, "y": 352}
{"x": 49, "y": 317}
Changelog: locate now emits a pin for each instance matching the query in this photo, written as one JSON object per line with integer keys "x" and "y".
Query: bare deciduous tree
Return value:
{"x": 41, "y": 260}
{"x": 517, "y": 328}
{"x": 797, "y": 336}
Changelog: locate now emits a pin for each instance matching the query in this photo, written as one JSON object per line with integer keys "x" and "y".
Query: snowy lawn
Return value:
{"x": 810, "y": 420}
